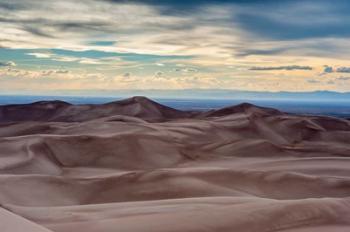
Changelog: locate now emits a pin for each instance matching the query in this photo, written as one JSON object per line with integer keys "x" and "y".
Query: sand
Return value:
{"x": 135, "y": 165}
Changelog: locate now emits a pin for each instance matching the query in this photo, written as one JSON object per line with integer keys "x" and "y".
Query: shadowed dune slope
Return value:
{"x": 136, "y": 165}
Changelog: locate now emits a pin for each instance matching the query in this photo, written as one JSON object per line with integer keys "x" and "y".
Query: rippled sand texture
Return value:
{"x": 137, "y": 166}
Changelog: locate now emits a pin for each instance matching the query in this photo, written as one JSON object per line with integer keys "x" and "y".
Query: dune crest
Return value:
{"x": 136, "y": 165}
{"x": 59, "y": 111}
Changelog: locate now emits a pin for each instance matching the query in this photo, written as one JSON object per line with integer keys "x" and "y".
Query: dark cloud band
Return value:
{"x": 291, "y": 67}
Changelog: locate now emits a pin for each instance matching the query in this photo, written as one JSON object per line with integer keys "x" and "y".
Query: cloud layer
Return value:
{"x": 175, "y": 44}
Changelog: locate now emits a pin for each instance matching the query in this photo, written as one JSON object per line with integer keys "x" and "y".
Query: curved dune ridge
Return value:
{"x": 138, "y": 166}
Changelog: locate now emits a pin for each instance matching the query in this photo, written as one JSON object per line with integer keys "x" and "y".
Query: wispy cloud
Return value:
{"x": 330, "y": 69}
{"x": 343, "y": 70}
{"x": 7, "y": 64}
{"x": 288, "y": 68}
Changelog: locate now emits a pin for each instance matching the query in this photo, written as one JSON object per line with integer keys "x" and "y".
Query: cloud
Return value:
{"x": 50, "y": 72}
{"x": 343, "y": 78}
{"x": 170, "y": 7}
{"x": 294, "y": 20}
{"x": 11, "y": 6}
{"x": 47, "y": 72}
{"x": 40, "y": 55}
{"x": 343, "y": 70}
{"x": 288, "y": 68}
{"x": 7, "y": 64}
{"x": 156, "y": 27}
{"x": 313, "y": 81}
{"x": 328, "y": 69}
{"x": 159, "y": 74}
{"x": 190, "y": 70}
{"x": 206, "y": 36}
{"x": 126, "y": 78}
{"x": 88, "y": 61}
{"x": 101, "y": 43}
{"x": 242, "y": 52}
{"x": 186, "y": 70}
{"x": 127, "y": 74}
{"x": 62, "y": 71}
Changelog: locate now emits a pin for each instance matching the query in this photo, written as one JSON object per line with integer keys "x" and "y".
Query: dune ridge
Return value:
{"x": 136, "y": 165}
{"x": 61, "y": 111}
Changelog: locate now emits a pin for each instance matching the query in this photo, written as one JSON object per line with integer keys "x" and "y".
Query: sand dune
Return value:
{"x": 135, "y": 165}
{"x": 140, "y": 107}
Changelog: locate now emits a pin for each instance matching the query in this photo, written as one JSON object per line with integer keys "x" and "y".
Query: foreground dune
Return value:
{"x": 135, "y": 165}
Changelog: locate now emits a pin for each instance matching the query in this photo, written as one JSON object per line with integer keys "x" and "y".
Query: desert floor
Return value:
{"x": 137, "y": 166}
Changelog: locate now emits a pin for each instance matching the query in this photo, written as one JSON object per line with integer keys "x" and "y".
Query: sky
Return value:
{"x": 265, "y": 45}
